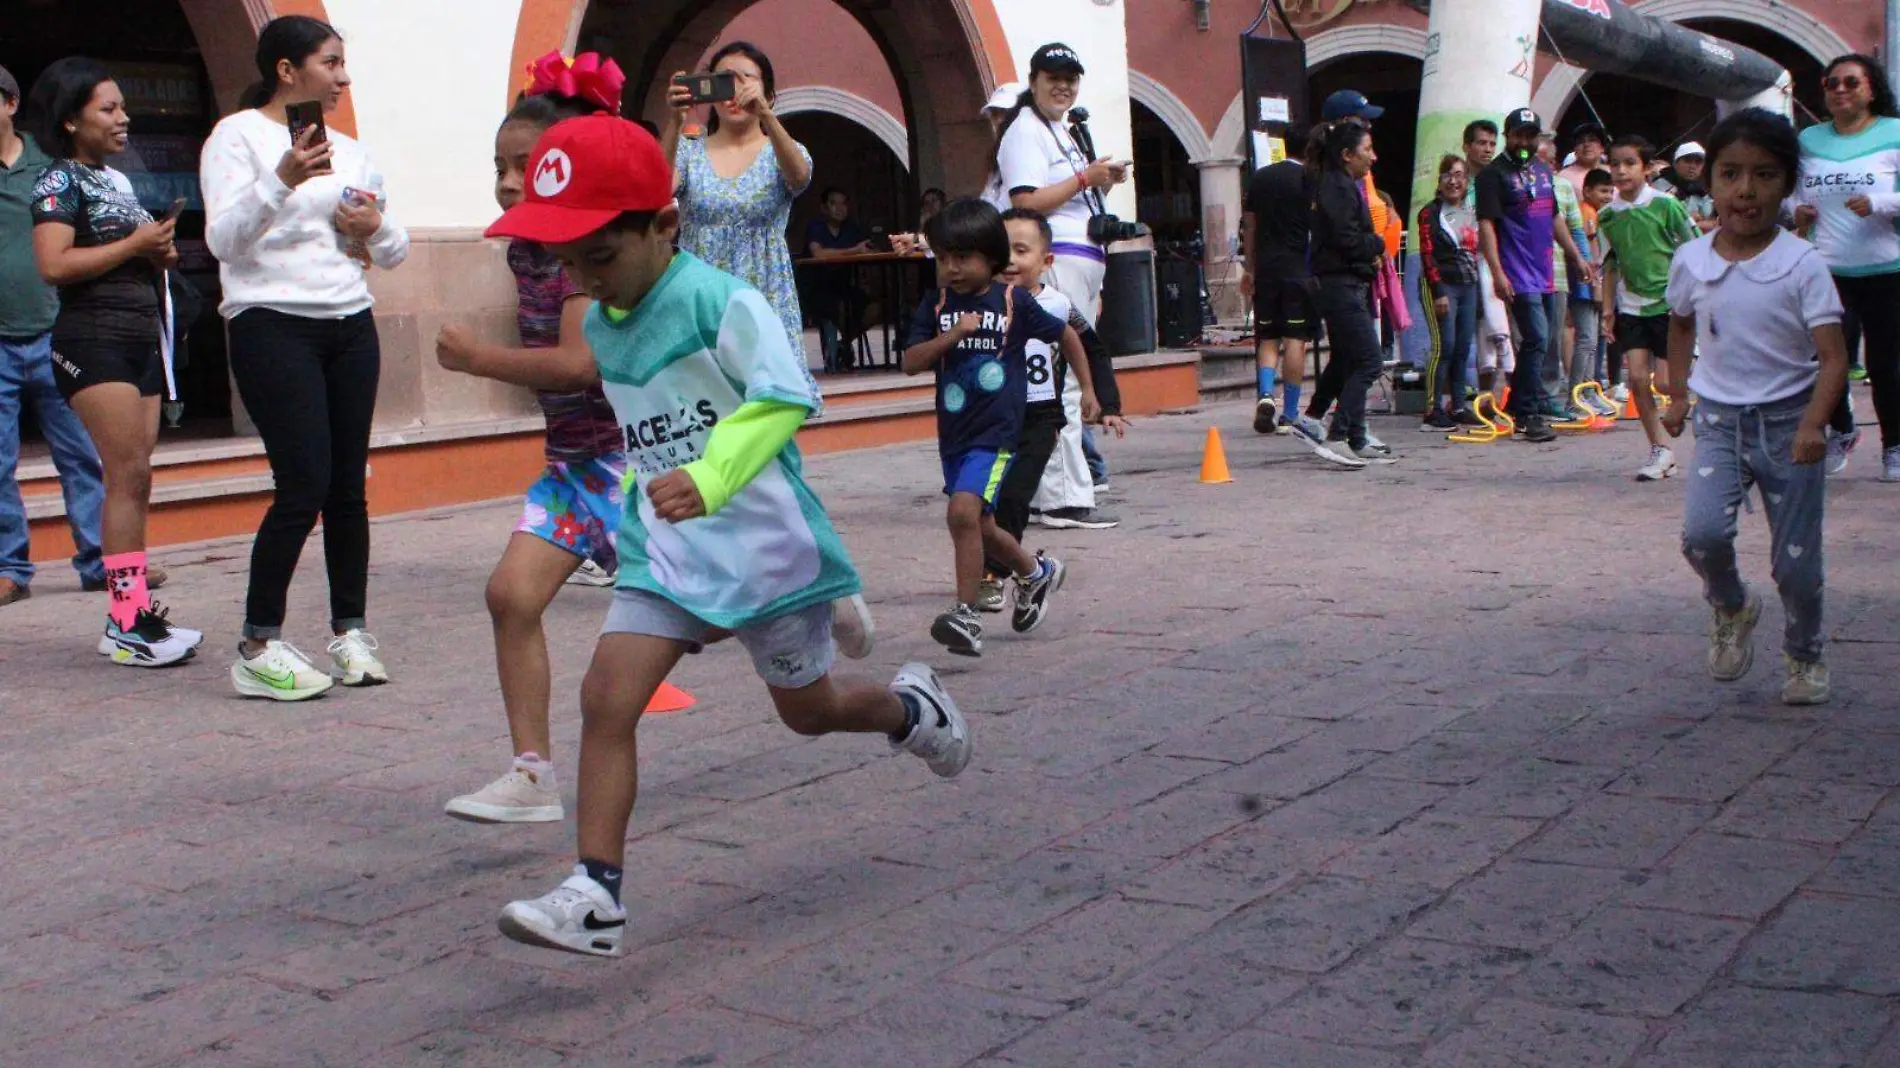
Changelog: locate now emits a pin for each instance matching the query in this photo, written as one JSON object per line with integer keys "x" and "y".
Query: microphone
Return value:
{"x": 1079, "y": 129}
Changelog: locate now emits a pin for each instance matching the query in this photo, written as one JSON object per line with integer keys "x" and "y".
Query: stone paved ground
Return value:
{"x": 1415, "y": 766}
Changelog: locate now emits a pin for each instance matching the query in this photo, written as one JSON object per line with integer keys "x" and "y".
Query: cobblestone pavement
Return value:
{"x": 1409, "y": 766}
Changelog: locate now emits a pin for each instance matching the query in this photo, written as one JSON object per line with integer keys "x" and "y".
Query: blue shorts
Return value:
{"x": 578, "y": 507}
{"x": 978, "y": 471}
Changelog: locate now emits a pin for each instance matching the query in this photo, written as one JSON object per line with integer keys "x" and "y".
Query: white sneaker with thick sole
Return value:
{"x": 1340, "y": 453}
{"x": 1839, "y": 448}
{"x": 517, "y": 797}
{"x": 354, "y": 654}
{"x": 579, "y": 916}
{"x": 591, "y": 574}
{"x": 151, "y": 642}
{"x": 1662, "y": 464}
{"x": 941, "y": 737}
{"x": 280, "y": 672}
{"x": 852, "y": 628}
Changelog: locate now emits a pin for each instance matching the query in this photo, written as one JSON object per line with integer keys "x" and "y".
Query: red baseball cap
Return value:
{"x": 583, "y": 174}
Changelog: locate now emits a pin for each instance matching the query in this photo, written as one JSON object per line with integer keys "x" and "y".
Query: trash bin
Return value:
{"x": 1127, "y": 323}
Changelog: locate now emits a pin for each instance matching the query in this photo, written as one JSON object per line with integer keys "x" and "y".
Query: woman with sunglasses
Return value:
{"x": 1849, "y": 199}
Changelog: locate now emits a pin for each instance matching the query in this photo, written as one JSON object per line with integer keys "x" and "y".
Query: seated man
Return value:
{"x": 837, "y": 303}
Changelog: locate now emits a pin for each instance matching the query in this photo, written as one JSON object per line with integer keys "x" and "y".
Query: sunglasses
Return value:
{"x": 1849, "y": 82}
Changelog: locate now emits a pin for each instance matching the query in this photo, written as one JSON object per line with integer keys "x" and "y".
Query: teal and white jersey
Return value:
{"x": 701, "y": 344}
{"x": 1834, "y": 170}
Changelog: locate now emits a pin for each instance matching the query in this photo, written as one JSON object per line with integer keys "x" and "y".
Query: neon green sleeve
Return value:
{"x": 740, "y": 447}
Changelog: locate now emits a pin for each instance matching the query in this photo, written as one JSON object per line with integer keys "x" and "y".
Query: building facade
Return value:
{"x": 886, "y": 94}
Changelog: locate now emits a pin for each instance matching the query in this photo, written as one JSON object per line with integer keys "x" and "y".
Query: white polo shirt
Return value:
{"x": 1754, "y": 320}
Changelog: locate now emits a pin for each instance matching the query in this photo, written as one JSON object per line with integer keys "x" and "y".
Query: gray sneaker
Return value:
{"x": 1732, "y": 641}
{"x": 1078, "y": 519}
{"x": 1890, "y": 465}
{"x": 1807, "y": 684}
{"x": 1839, "y": 448}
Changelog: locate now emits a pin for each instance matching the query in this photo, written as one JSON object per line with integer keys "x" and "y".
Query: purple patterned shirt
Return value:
{"x": 581, "y": 425}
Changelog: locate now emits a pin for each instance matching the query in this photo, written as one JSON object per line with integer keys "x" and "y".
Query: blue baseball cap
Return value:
{"x": 1348, "y": 104}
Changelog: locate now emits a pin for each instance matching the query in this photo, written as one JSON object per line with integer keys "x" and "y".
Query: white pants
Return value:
{"x": 1066, "y": 482}
{"x": 1494, "y": 326}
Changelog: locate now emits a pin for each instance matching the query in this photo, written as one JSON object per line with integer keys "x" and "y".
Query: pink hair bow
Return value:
{"x": 586, "y": 77}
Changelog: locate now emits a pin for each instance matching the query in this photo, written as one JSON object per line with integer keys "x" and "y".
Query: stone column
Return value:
{"x": 1479, "y": 58}
{"x": 1223, "y": 182}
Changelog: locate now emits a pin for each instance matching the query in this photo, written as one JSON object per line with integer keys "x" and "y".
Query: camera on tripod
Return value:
{"x": 1104, "y": 229}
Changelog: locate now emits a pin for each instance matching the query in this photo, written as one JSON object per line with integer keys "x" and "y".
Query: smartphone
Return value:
{"x": 711, "y": 87}
{"x": 177, "y": 209}
{"x": 301, "y": 117}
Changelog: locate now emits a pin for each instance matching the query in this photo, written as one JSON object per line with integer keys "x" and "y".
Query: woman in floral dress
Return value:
{"x": 735, "y": 196}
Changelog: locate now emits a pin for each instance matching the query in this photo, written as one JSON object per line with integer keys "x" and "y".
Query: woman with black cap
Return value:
{"x": 1040, "y": 166}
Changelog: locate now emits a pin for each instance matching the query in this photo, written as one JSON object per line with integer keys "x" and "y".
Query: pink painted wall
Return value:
{"x": 815, "y": 42}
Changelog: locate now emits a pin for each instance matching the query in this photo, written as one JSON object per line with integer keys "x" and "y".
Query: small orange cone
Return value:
{"x": 1214, "y": 460}
{"x": 669, "y": 698}
{"x": 1629, "y": 407}
{"x": 1504, "y": 399}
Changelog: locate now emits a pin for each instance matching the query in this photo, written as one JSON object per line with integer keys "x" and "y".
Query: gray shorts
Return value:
{"x": 790, "y": 652}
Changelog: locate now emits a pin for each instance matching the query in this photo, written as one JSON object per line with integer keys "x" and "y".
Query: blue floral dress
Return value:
{"x": 738, "y": 225}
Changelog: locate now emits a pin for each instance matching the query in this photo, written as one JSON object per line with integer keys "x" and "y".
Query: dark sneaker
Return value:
{"x": 1466, "y": 417}
{"x": 1078, "y": 519}
{"x": 959, "y": 631}
{"x": 1265, "y": 416}
{"x": 1032, "y": 594}
{"x": 1436, "y": 422}
{"x": 1535, "y": 431}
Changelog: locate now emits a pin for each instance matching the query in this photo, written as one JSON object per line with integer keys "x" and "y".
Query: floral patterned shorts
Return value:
{"x": 577, "y": 506}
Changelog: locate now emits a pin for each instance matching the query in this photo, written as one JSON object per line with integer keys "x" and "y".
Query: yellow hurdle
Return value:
{"x": 1596, "y": 421}
{"x": 1496, "y": 424}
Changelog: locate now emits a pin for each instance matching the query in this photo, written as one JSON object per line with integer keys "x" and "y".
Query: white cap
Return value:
{"x": 1689, "y": 148}
{"x": 1005, "y": 96}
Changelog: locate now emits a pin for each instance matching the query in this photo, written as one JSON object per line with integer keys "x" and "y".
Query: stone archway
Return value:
{"x": 227, "y": 38}
{"x": 1322, "y": 49}
{"x": 945, "y": 54}
{"x": 1173, "y": 112}
{"x": 828, "y": 100}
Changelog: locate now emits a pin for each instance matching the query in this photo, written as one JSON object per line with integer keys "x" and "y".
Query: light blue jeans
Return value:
{"x": 26, "y": 378}
{"x": 1741, "y": 448}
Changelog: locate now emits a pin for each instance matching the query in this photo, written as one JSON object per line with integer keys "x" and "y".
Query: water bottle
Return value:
{"x": 372, "y": 190}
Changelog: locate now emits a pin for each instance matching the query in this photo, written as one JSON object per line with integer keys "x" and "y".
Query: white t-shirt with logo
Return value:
{"x": 1834, "y": 170}
{"x": 1035, "y": 154}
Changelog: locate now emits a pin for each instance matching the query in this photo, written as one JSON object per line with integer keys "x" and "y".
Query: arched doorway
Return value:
{"x": 153, "y": 49}
{"x": 1390, "y": 81}
{"x": 1170, "y": 186}
{"x": 944, "y": 54}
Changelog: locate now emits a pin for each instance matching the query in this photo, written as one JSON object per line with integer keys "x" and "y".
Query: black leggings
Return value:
{"x": 1875, "y": 301}
{"x": 1033, "y": 448}
{"x": 1356, "y": 361}
{"x": 310, "y": 386}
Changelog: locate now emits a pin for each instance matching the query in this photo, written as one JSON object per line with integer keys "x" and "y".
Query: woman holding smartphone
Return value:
{"x": 295, "y": 225}
{"x": 737, "y": 184}
{"x": 108, "y": 257}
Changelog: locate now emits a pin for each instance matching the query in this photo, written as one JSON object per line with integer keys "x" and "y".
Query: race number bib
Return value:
{"x": 1040, "y": 357}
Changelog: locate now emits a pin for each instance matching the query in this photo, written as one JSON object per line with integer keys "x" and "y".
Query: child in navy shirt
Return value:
{"x": 973, "y": 332}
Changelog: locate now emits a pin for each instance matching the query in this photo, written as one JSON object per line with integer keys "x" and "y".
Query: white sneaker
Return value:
{"x": 152, "y": 641}
{"x": 1375, "y": 445}
{"x": 354, "y": 654}
{"x": 1662, "y": 464}
{"x": 1338, "y": 452}
{"x": 851, "y": 626}
{"x": 280, "y": 673}
{"x": 521, "y": 796}
{"x": 579, "y": 916}
{"x": 1808, "y": 682}
{"x": 1890, "y": 465}
{"x": 1839, "y": 448}
{"x": 941, "y": 737}
{"x": 1372, "y": 455}
{"x": 1620, "y": 393}
{"x": 591, "y": 574}
{"x": 1309, "y": 430}
{"x": 1732, "y": 640}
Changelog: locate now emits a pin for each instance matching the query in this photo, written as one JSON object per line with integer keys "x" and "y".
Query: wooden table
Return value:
{"x": 900, "y": 295}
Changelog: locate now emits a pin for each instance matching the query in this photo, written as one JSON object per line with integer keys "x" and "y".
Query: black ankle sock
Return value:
{"x": 911, "y": 715}
{"x": 605, "y": 874}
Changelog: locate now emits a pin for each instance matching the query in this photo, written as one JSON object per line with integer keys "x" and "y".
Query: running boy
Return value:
{"x": 1030, "y": 244}
{"x": 721, "y": 532}
{"x": 973, "y": 332}
{"x": 1762, "y": 307}
{"x": 1643, "y": 229}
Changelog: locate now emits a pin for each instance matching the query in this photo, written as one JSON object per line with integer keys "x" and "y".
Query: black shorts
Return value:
{"x": 79, "y": 364}
{"x": 1642, "y": 332}
{"x": 1283, "y": 308}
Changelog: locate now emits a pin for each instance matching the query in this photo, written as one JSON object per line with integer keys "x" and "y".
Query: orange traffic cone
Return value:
{"x": 1213, "y": 460}
{"x": 1629, "y": 407}
{"x": 669, "y": 698}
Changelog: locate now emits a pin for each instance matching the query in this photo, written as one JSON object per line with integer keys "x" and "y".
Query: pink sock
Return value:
{"x": 125, "y": 584}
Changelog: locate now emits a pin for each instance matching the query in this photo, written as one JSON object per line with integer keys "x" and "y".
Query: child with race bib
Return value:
{"x": 1761, "y": 306}
{"x": 720, "y": 533}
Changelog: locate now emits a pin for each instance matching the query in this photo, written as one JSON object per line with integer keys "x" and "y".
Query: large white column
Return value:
{"x": 1221, "y": 196}
{"x": 1479, "y": 58}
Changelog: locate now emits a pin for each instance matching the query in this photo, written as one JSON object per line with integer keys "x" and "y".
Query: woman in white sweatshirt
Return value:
{"x": 295, "y": 228}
